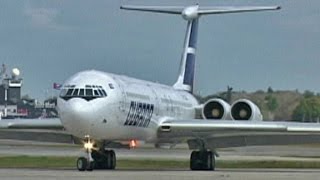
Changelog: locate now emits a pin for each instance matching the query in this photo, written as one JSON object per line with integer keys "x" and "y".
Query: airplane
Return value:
{"x": 111, "y": 111}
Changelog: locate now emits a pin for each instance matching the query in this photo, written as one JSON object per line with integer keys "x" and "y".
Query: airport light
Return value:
{"x": 88, "y": 145}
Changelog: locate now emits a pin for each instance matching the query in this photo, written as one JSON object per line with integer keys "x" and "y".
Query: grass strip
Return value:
{"x": 70, "y": 162}
{"x": 269, "y": 164}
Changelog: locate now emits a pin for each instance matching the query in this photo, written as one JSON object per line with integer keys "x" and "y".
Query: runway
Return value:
{"x": 13, "y": 148}
{"x": 220, "y": 174}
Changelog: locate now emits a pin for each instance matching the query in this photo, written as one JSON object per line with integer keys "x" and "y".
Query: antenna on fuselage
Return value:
{"x": 192, "y": 14}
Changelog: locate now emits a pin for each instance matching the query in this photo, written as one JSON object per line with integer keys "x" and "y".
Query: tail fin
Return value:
{"x": 187, "y": 65}
{"x": 191, "y": 14}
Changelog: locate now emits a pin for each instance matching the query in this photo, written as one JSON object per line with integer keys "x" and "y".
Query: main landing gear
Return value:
{"x": 202, "y": 160}
{"x": 96, "y": 159}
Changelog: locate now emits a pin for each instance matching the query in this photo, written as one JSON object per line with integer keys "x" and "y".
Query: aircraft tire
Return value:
{"x": 113, "y": 159}
{"x": 110, "y": 159}
{"x": 202, "y": 160}
{"x": 210, "y": 161}
{"x": 194, "y": 160}
{"x": 90, "y": 166}
{"x": 82, "y": 164}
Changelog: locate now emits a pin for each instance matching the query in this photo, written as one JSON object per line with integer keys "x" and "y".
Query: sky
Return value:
{"x": 50, "y": 40}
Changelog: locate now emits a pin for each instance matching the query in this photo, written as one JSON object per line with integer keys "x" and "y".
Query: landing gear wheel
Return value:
{"x": 90, "y": 166}
{"x": 194, "y": 164}
{"x": 110, "y": 159}
{"x": 210, "y": 161}
{"x": 202, "y": 160}
{"x": 104, "y": 159}
{"x": 213, "y": 162}
{"x": 82, "y": 164}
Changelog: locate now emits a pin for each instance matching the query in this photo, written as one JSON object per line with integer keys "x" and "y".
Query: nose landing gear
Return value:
{"x": 86, "y": 163}
{"x": 96, "y": 159}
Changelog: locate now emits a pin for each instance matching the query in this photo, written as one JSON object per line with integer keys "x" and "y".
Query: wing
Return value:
{"x": 43, "y": 130}
{"x": 231, "y": 133}
{"x": 50, "y": 123}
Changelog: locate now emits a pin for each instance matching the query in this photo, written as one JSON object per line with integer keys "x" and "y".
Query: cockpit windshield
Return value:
{"x": 88, "y": 93}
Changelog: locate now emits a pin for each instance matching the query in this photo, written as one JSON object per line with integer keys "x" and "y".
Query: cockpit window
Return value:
{"x": 81, "y": 92}
{"x": 100, "y": 91}
{"x": 104, "y": 92}
{"x": 69, "y": 92}
{"x": 96, "y": 93}
{"x": 75, "y": 92}
{"x": 63, "y": 92}
{"x": 88, "y": 93}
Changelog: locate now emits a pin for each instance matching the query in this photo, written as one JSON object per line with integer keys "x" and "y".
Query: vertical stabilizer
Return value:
{"x": 192, "y": 14}
{"x": 187, "y": 65}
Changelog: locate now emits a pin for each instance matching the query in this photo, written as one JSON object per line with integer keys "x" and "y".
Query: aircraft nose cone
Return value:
{"x": 77, "y": 117}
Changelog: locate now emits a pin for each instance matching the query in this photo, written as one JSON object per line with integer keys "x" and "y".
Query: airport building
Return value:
{"x": 10, "y": 93}
{"x": 12, "y": 105}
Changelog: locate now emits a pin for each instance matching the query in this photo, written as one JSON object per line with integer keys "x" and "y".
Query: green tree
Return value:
{"x": 308, "y": 110}
{"x": 308, "y": 94}
{"x": 270, "y": 90}
{"x": 271, "y": 103}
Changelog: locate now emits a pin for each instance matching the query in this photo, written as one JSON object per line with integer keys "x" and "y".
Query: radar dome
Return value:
{"x": 15, "y": 72}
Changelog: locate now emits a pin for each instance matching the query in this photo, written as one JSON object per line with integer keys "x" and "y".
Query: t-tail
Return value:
{"x": 192, "y": 14}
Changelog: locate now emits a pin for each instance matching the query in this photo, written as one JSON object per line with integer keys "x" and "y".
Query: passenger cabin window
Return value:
{"x": 88, "y": 93}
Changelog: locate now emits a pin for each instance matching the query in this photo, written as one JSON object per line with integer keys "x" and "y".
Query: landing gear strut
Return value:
{"x": 86, "y": 163}
{"x": 202, "y": 160}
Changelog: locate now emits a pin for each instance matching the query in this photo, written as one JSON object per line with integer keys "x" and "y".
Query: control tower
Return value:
{"x": 10, "y": 91}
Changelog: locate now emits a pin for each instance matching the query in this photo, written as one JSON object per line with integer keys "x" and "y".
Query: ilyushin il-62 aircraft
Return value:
{"x": 111, "y": 111}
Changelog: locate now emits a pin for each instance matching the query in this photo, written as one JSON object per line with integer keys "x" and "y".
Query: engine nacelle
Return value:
{"x": 216, "y": 109}
{"x": 245, "y": 110}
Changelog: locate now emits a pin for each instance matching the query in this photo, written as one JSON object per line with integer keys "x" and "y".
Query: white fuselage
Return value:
{"x": 131, "y": 109}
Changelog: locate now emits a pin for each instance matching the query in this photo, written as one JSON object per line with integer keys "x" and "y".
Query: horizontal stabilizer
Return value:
{"x": 157, "y": 9}
{"x": 224, "y": 10}
{"x": 192, "y": 14}
{"x": 199, "y": 10}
